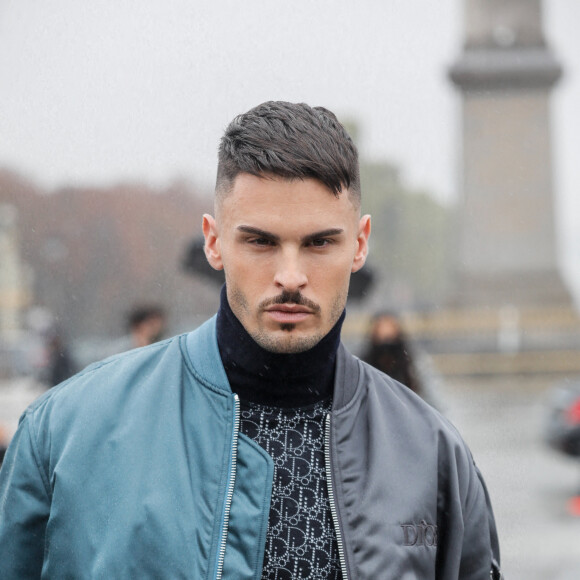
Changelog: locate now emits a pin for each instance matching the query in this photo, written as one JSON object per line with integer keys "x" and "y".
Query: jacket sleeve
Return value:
{"x": 24, "y": 507}
{"x": 480, "y": 540}
{"x": 467, "y": 535}
{"x": 496, "y": 573}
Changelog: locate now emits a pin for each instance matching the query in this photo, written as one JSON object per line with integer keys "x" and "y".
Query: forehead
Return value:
{"x": 271, "y": 199}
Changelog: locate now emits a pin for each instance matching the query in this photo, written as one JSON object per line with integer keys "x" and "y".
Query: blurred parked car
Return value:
{"x": 563, "y": 420}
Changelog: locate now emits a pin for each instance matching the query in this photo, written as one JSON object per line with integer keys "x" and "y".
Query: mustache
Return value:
{"x": 290, "y": 298}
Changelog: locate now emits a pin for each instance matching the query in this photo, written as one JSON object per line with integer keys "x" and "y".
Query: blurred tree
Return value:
{"x": 410, "y": 238}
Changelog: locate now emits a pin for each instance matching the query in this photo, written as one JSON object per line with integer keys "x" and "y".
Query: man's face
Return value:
{"x": 288, "y": 248}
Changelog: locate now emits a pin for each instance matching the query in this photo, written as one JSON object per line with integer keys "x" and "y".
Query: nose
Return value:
{"x": 290, "y": 273}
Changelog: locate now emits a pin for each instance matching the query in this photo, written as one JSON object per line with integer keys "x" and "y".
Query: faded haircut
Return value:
{"x": 292, "y": 141}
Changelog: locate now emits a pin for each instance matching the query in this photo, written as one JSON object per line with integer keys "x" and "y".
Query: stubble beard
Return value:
{"x": 287, "y": 343}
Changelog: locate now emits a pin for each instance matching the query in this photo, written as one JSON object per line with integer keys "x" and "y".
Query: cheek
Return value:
{"x": 236, "y": 263}
{"x": 334, "y": 276}
{"x": 246, "y": 275}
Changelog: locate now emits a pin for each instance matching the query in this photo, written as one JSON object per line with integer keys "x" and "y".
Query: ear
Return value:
{"x": 362, "y": 243}
{"x": 212, "y": 242}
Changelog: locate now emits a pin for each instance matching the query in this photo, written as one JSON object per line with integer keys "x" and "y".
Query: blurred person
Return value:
{"x": 146, "y": 324}
{"x": 60, "y": 364}
{"x": 255, "y": 446}
{"x": 4, "y": 440}
{"x": 389, "y": 350}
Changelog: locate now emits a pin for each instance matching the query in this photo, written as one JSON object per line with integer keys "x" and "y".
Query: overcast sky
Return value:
{"x": 94, "y": 92}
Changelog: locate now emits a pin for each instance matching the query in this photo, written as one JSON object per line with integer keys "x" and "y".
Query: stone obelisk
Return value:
{"x": 507, "y": 245}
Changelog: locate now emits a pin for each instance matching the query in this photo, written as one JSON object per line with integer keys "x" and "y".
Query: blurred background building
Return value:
{"x": 79, "y": 258}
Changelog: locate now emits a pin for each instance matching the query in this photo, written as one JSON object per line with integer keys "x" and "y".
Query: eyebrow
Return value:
{"x": 270, "y": 236}
{"x": 258, "y": 232}
{"x": 323, "y": 234}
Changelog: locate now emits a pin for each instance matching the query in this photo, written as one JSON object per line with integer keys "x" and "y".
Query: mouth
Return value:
{"x": 288, "y": 313}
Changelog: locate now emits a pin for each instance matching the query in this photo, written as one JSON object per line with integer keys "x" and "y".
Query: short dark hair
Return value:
{"x": 292, "y": 141}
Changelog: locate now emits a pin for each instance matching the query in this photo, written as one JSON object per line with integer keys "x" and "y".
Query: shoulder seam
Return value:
{"x": 198, "y": 377}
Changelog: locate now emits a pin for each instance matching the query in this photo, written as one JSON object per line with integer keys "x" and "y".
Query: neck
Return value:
{"x": 277, "y": 379}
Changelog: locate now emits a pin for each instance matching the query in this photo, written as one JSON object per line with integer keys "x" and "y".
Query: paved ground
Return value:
{"x": 502, "y": 421}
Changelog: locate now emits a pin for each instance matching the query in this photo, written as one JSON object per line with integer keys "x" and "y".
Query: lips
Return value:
{"x": 294, "y": 308}
{"x": 288, "y": 312}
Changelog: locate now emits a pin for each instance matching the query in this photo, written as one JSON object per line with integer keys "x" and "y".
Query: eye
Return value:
{"x": 261, "y": 242}
{"x": 320, "y": 242}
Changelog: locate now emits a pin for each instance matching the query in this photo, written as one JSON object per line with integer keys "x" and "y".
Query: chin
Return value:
{"x": 286, "y": 343}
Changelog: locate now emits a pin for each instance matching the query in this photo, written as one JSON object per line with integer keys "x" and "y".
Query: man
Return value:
{"x": 255, "y": 446}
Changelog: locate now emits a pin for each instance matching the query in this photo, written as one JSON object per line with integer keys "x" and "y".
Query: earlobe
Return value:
{"x": 362, "y": 241}
{"x": 212, "y": 242}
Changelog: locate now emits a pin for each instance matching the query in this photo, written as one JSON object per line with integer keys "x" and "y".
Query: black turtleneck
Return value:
{"x": 285, "y": 399}
{"x": 276, "y": 379}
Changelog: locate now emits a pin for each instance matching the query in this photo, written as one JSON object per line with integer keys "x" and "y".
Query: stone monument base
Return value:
{"x": 499, "y": 340}
{"x": 522, "y": 289}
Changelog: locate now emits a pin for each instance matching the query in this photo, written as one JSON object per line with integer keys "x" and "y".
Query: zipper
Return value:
{"x": 229, "y": 491}
{"x": 332, "y": 501}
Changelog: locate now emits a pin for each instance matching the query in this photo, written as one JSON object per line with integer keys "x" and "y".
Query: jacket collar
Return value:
{"x": 202, "y": 353}
{"x": 347, "y": 378}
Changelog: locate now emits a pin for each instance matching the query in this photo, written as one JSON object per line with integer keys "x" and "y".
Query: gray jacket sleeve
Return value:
{"x": 496, "y": 573}
{"x": 475, "y": 545}
{"x": 480, "y": 536}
